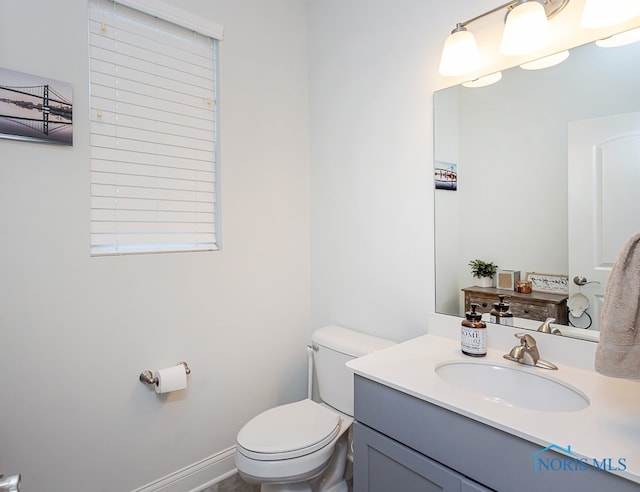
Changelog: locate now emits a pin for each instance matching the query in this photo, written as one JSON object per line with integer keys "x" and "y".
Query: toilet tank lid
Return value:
{"x": 349, "y": 342}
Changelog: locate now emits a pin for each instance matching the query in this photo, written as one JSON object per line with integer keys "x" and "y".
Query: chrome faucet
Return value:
{"x": 527, "y": 353}
{"x": 546, "y": 327}
{"x": 10, "y": 484}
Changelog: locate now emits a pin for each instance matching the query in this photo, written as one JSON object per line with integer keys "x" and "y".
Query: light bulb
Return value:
{"x": 547, "y": 61}
{"x": 484, "y": 81}
{"x": 620, "y": 39}
{"x": 460, "y": 53}
{"x": 527, "y": 29}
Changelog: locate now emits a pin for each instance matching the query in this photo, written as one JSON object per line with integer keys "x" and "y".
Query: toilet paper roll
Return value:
{"x": 171, "y": 379}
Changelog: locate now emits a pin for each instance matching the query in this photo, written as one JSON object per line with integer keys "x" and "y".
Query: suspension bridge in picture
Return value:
{"x": 44, "y": 110}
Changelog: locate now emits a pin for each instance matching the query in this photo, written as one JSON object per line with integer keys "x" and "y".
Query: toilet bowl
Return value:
{"x": 302, "y": 446}
{"x": 289, "y": 444}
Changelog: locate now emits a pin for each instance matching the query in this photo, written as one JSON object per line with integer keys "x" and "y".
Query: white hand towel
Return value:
{"x": 618, "y": 353}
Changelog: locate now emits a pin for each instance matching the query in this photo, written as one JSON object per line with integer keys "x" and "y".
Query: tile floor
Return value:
{"x": 233, "y": 484}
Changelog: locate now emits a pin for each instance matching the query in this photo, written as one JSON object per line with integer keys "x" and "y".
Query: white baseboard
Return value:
{"x": 196, "y": 476}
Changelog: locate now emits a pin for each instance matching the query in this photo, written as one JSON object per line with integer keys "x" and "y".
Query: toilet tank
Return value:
{"x": 333, "y": 347}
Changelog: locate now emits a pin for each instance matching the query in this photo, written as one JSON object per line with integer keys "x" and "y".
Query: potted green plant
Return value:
{"x": 484, "y": 272}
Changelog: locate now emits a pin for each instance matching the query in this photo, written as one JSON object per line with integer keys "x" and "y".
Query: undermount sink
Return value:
{"x": 512, "y": 386}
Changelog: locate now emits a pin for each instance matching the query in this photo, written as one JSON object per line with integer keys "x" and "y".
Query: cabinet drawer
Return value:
{"x": 519, "y": 309}
{"x": 533, "y": 311}
{"x": 485, "y": 303}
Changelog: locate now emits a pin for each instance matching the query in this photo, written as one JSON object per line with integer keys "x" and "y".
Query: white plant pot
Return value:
{"x": 485, "y": 282}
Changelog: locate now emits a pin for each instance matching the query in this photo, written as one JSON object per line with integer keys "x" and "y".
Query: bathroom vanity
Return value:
{"x": 535, "y": 305}
{"x": 415, "y": 431}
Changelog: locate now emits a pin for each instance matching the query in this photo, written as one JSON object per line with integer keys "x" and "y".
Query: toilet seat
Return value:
{"x": 288, "y": 431}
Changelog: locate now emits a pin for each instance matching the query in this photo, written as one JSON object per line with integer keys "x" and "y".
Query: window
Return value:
{"x": 153, "y": 128}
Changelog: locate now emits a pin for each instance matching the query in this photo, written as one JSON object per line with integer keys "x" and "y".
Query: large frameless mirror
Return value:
{"x": 531, "y": 194}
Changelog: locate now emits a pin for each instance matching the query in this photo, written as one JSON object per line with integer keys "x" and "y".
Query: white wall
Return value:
{"x": 76, "y": 331}
{"x": 373, "y": 70}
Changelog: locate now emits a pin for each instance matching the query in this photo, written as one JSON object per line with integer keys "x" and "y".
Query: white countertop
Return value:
{"x": 608, "y": 428}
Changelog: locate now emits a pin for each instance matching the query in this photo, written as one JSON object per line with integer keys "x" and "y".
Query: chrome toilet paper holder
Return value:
{"x": 148, "y": 377}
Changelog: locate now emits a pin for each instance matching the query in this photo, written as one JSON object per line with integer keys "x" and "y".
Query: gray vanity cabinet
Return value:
{"x": 384, "y": 465}
{"x": 405, "y": 444}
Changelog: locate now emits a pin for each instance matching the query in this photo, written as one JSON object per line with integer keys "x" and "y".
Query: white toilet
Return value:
{"x": 302, "y": 446}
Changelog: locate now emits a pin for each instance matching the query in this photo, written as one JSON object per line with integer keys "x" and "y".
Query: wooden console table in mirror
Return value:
{"x": 536, "y": 305}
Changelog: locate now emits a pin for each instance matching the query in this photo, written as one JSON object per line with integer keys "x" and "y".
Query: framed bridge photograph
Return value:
{"x": 34, "y": 108}
{"x": 446, "y": 176}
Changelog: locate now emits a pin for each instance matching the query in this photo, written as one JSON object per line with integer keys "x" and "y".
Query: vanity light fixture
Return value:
{"x": 605, "y": 13}
{"x": 621, "y": 39}
{"x": 527, "y": 29}
{"x": 547, "y": 61}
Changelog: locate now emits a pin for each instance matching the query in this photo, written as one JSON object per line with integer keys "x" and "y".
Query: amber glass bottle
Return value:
{"x": 500, "y": 314}
{"x": 473, "y": 335}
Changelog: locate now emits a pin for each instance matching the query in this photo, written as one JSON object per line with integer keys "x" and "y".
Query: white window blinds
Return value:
{"x": 153, "y": 128}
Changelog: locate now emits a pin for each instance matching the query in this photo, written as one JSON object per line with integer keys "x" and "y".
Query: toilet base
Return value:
{"x": 331, "y": 480}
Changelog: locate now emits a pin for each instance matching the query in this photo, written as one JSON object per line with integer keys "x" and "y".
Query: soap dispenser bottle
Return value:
{"x": 500, "y": 314}
{"x": 473, "y": 335}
